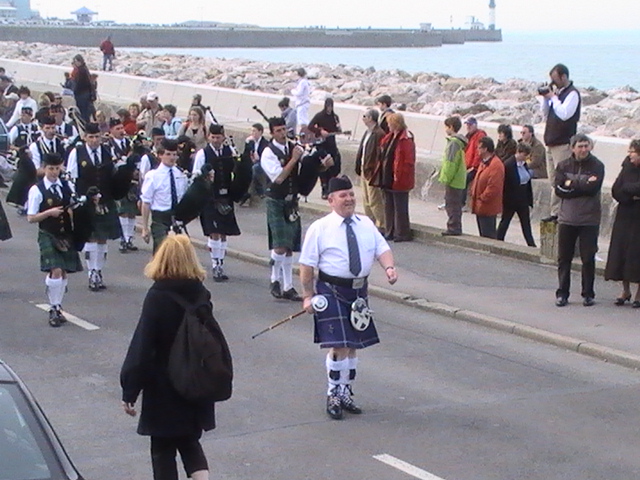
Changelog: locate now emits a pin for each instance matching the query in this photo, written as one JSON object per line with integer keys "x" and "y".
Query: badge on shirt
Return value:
{"x": 84, "y": 164}
{"x": 49, "y": 201}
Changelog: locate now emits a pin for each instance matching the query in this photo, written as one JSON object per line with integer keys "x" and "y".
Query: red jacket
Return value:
{"x": 107, "y": 47}
{"x": 487, "y": 188}
{"x": 471, "y": 155}
{"x": 400, "y": 175}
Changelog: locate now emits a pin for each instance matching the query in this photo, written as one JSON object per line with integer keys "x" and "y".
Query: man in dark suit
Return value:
{"x": 368, "y": 164}
{"x": 517, "y": 195}
{"x": 253, "y": 147}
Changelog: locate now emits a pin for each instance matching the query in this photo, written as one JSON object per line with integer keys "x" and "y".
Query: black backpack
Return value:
{"x": 200, "y": 366}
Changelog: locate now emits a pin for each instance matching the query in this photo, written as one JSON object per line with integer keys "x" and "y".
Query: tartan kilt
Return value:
{"x": 128, "y": 207}
{"x": 282, "y": 234}
{"x": 332, "y": 328}
{"x": 160, "y": 225}
{"x": 213, "y": 221}
{"x": 51, "y": 257}
{"x": 107, "y": 225}
{"x": 5, "y": 229}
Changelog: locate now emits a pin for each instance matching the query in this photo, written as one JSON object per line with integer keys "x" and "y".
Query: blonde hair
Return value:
{"x": 397, "y": 121}
{"x": 175, "y": 259}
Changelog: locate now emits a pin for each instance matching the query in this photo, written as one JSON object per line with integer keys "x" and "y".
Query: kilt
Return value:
{"x": 332, "y": 328}
{"x": 5, "y": 229}
{"x": 282, "y": 234}
{"x": 160, "y": 225}
{"x": 51, "y": 258}
{"x": 128, "y": 207}
{"x": 213, "y": 221}
{"x": 107, "y": 225}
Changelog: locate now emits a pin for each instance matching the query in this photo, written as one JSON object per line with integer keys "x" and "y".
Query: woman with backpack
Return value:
{"x": 174, "y": 423}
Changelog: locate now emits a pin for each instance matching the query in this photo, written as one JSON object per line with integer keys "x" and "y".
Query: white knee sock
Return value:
{"x": 223, "y": 249}
{"x": 124, "y": 225}
{"x": 91, "y": 255}
{"x": 287, "y": 273}
{"x": 55, "y": 290}
{"x": 334, "y": 372}
{"x": 214, "y": 251}
{"x": 276, "y": 268}
{"x": 349, "y": 375}
{"x": 65, "y": 282}
{"x": 101, "y": 257}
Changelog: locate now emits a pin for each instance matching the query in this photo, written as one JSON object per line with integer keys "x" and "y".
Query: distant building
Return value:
{"x": 84, "y": 15}
{"x": 7, "y": 11}
{"x": 16, "y": 10}
{"x": 473, "y": 23}
{"x": 492, "y": 15}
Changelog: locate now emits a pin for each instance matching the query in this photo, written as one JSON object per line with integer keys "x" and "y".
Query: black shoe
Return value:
{"x": 447, "y": 233}
{"x": 334, "y": 406}
{"x": 635, "y": 304}
{"x": 94, "y": 281}
{"x": 131, "y": 247}
{"x": 275, "y": 289}
{"x": 218, "y": 275}
{"x": 54, "y": 318}
{"x": 588, "y": 302}
{"x": 292, "y": 295}
{"x": 61, "y": 317}
{"x": 561, "y": 302}
{"x": 550, "y": 218}
{"x": 101, "y": 285}
{"x": 347, "y": 403}
{"x": 622, "y": 300}
{"x": 123, "y": 246}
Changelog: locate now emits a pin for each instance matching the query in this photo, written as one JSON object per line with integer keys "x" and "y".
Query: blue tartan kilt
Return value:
{"x": 332, "y": 328}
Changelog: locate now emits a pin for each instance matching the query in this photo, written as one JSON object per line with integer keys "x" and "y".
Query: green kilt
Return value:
{"x": 128, "y": 207}
{"x": 51, "y": 257}
{"x": 160, "y": 225}
{"x": 282, "y": 233}
{"x": 5, "y": 229}
{"x": 106, "y": 225}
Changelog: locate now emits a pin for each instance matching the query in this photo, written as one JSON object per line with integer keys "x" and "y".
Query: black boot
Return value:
{"x": 334, "y": 405}
{"x": 347, "y": 402}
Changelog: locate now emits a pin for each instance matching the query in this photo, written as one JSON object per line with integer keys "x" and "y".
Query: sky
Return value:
{"x": 511, "y": 15}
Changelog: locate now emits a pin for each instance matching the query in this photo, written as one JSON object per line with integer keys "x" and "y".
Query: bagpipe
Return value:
{"x": 242, "y": 173}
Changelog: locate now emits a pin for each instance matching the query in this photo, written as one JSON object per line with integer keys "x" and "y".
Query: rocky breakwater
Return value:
{"x": 614, "y": 112}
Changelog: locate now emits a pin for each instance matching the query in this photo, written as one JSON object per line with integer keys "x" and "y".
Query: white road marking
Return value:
{"x": 71, "y": 318}
{"x": 406, "y": 467}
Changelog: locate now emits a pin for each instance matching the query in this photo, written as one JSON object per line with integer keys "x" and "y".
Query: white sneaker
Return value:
{"x": 442, "y": 206}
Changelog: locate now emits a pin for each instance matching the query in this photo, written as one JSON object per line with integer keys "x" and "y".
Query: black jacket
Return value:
{"x": 515, "y": 195}
{"x": 164, "y": 413}
{"x": 578, "y": 184}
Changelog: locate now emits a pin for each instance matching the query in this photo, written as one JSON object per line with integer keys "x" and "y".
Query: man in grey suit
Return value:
{"x": 368, "y": 167}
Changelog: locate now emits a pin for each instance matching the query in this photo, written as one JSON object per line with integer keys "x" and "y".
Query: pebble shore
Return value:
{"x": 613, "y": 112}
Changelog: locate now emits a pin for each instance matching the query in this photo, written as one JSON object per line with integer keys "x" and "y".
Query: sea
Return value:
{"x": 600, "y": 59}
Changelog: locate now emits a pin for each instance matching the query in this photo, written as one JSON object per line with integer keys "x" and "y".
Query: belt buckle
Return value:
{"x": 223, "y": 191}
{"x": 358, "y": 282}
{"x": 288, "y": 198}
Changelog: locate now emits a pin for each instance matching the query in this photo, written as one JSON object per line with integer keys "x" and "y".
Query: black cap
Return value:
{"x": 114, "y": 122}
{"x": 52, "y": 159}
{"x": 92, "y": 129}
{"x": 27, "y": 109}
{"x": 215, "y": 129}
{"x": 339, "y": 183}
{"x": 169, "y": 144}
{"x": 47, "y": 120}
{"x": 157, "y": 132}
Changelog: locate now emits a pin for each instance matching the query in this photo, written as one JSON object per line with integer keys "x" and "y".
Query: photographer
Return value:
{"x": 560, "y": 104}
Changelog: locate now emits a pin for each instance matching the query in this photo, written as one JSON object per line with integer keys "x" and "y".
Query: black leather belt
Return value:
{"x": 354, "y": 283}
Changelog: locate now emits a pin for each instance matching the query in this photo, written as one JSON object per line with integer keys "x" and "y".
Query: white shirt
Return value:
{"x": 35, "y": 195}
{"x": 72, "y": 162}
{"x": 60, "y": 130}
{"x": 35, "y": 151}
{"x": 301, "y": 92}
{"x": 270, "y": 163}
{"x": 13, "y": 133}
{"x": 17, "y": 111}
{"x": 564, "y": 110}
{"x": 325, "y": 245}
{"x": 156, "y": 188}
{"x": 200, "y": 159}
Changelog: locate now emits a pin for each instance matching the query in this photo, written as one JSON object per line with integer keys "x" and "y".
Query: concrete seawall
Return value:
{"x": 234, "y": 108}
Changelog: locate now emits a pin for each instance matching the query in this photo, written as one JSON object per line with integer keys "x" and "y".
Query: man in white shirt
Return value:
{"x": 150, "y": 160}
{"x": 342, "y": 247}
{"x": 25, "y": 132}
{"x": 46, "y": 143}
{"x": 47, "y": 206}
{"x": 64, "y": 130}
{"x": 302, "y": 96}
{"x": 162, "y": 189}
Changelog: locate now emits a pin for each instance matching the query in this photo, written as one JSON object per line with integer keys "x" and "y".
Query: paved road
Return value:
{"x": 453, "y": 399}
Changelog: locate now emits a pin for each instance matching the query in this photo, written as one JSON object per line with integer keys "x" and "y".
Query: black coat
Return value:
{"x": 515, "y": 196}
{"x": 164, "y": 413}
{"x": 623, "y": 261}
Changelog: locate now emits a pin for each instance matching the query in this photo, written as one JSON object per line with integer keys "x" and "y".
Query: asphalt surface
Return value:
{"x": 457, "y": 400}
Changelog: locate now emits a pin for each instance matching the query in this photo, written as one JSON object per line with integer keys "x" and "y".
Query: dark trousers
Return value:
{"x": 163, "y": 456}
{"x": 525, "y": 223}
{"x": 453, "y": 201}
{"x": 486, "y": 225}
{"x": 396, "y": 214}
{"x": 470, "y": 176}
{"x": 567, "y": 237}
{"x": 85, "y": 105}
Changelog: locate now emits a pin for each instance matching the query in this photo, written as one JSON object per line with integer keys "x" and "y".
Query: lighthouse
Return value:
{"x": 492, "y": 15}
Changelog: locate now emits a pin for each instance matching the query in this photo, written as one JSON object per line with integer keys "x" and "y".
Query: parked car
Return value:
{"x": 29, "y": 447}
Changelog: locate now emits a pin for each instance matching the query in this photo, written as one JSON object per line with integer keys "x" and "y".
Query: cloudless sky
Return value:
{"x": 511, "y": 15}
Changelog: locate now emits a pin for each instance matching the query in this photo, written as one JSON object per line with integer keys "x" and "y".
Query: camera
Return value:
{"x": 544, "y": 90}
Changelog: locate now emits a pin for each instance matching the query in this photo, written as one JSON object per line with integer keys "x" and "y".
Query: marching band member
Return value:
{"x": 47, "y": 143}
{"x": 25, "y": 132}
{"x": 342, "y": 246}
{"x": 150, "y": 160}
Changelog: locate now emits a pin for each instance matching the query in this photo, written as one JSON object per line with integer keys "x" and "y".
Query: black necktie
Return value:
{"x": 354, "y": 253}
{"x": 96, "y": 159}
{"x": 174, "y": 192}
{"x": 54, "y": 191}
